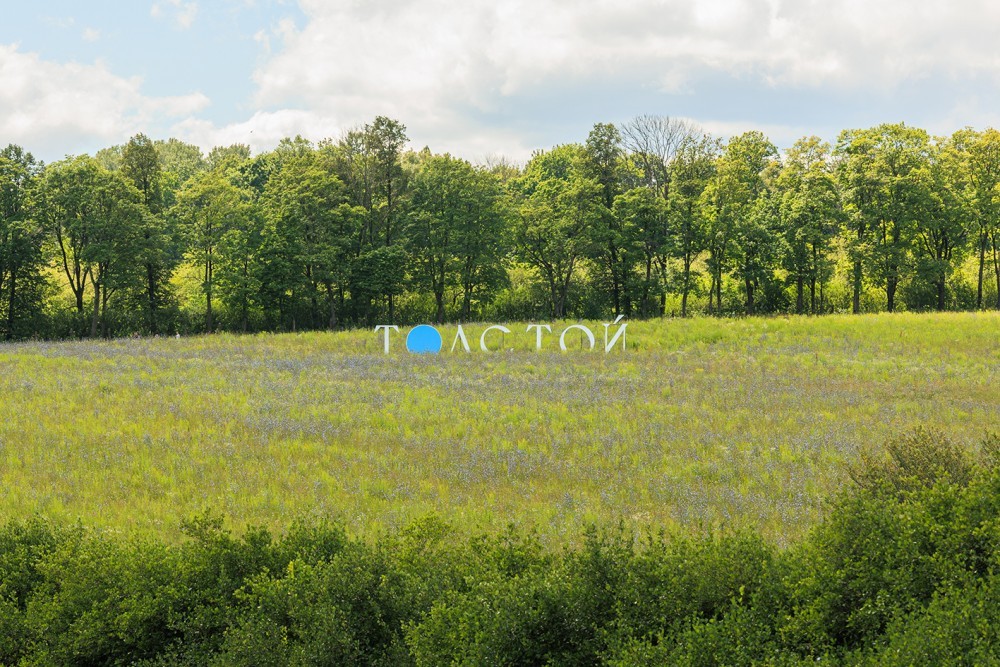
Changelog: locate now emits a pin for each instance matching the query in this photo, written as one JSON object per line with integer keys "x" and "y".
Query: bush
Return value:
{"x": 915, "y": 460}
{"x": 905, "y": 569}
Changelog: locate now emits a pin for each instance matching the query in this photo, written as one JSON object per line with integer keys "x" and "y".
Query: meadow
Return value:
{"x": 701, "y": 422}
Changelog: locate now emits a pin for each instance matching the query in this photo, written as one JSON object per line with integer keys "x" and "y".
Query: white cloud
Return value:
{"x": 261, "y": 132}
{"x": 780, "y": 135}
{"x": 183, "y": 13}
{"x": 435, "y": 64}
{"x": 91, "y": 35}
{"x": 54, "y": 108}
{"x": 477, "y": 77}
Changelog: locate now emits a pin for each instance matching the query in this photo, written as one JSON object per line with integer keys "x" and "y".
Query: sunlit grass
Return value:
{"x": 701, "y": 421}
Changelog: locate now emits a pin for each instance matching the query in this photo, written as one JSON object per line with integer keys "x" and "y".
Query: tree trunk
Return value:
{"x": 615, "y": 288}
{"x": 439, "y": 299}
{"x": 555, "y": 299}
{"x": 890, "y": 294}
{"x": 718, "y": 291}
{"x": 151, "y": 297}
{"x": 799, "y": 293}
{"x": 940, "y": 293}
{"x": 208, "y": 297}
{"x": 647, "y": 307}
{"x": 97, "y": 307}
{"x": 982, "y": 266}
{"x": 10, "y": 303}
{"x": 857, "y": 287}
{"x": 104, "y": 313}
{"x": 466, "y": 302}
{"x": 812, "y": 279}
{"x": 244, "y": 306}
{"x": 711, "y": 295}
{"x": 996, "y": 264}
{"x": 686, "y": 287}
{"x": 749, "y": 286}
{"x": 332, "y": 324}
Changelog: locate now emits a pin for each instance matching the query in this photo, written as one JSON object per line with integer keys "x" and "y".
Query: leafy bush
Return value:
{"x": 905, "y": 569}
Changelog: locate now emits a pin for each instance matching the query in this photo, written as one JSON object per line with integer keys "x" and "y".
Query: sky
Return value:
{"x": 482, "y": 79}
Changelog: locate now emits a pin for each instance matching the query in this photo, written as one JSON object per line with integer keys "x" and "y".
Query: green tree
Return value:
{"x": 179, "y": 162}
{"x": 945, "y": 214}
{"x": 384, "y": 139}
{"x": 879, "y": 170}
{"x": 603, "y": 162}
{"x": 641, "y": 214}
{"x": 811, "y": 218}
{"x": 93, "y": 216}
{"x": 692, "y": 169}
{"x": 209, "y": 206}
{"x": 654, "y": 144}
{"x": 308, "y": 238}
{"x": 984, "y": 178}
{"x": 732, "y": 213}
{"x": 21, "y": 237}
{"x": 115, "y": 248}
{"x": 369, "y": 163}
{"x": 757, "y": 249}
{"x": 141, "y": 165}
{"x": 483, "y": 242}
{"x": 227, "y": 157}
{"x": 559, "y": 216}
{"x": 238, "y": 272}
{"x": 455, "y": 229}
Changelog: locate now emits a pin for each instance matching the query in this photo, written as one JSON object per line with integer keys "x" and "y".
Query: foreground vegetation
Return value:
{"x": 736, "y": 423}
{"x": 902, "y": 571}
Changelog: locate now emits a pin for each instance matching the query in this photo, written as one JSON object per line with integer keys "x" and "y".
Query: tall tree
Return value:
{"x": 811, "y": 217}
{"x": 878, "y": 171}
{"x": 115, "y": 247}
{"x": 692, "y": 169}
{"x": 945, "y": 213}
{"x": 603, "y": 157}
{"x": 559, "y": 213}
{"x": 369, "y": 162}
{"x": 93, "y": 215}
{"x": 20, "y": 240}
{"x": 140, "y": 163}
{"x": 728, "y": 204}
{"x": 653, "y": 141}
{"x": 208, "y": 206}
{"x": 223, "y": 157}
{"x": 983, "y": 149}
{"x": 455, "y": 229}
{"x": 757, "y": 247}
{"x": 653, "y": 144}
{"x": 308, "y": 237}
{"x": 384, "y": 140}
{"x": 640, "y": 215}
{"x": 179, "y": 162}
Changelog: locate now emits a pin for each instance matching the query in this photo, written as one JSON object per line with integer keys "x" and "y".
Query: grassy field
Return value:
{"x": 701, "y": 421}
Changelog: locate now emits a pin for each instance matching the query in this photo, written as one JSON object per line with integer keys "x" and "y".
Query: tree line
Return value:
{"x": 653, "y": 217}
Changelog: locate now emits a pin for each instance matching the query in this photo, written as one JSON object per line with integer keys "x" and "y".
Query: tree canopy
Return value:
{"x": 649, "y": 218}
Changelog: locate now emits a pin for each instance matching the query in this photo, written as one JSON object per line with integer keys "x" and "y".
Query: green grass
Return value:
{"x": 701, "y": 421}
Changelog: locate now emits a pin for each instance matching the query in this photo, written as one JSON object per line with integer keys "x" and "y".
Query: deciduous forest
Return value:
{"x": 652, "y": 217}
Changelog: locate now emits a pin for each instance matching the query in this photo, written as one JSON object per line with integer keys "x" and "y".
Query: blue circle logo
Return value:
{"x": 423, "y": 339}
